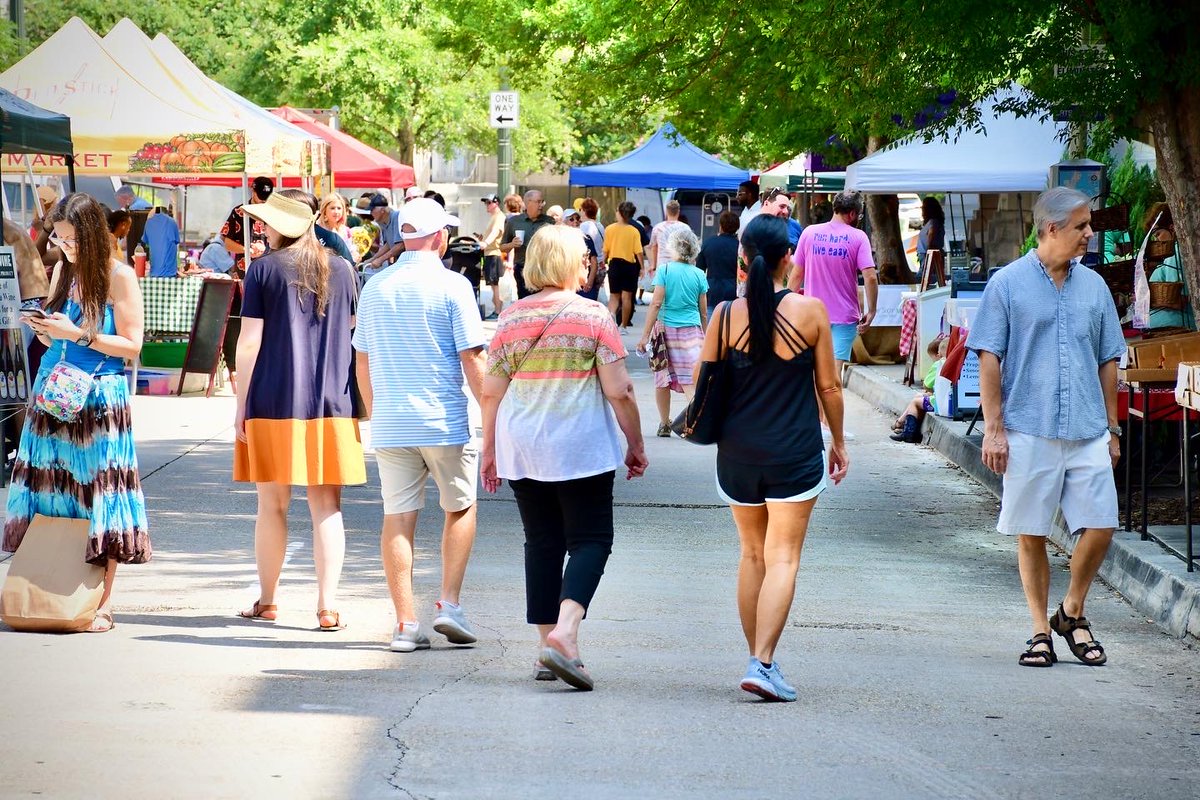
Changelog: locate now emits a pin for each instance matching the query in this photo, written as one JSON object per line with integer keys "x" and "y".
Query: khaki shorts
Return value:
{"x": 1044, "y": 475}
{"x": 404, "y": 471}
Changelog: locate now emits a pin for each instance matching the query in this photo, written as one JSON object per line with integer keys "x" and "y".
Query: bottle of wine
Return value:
{"x": 22, "y": 388}
{"x": 10, "y": 375}
{"x": 8, "y": 381}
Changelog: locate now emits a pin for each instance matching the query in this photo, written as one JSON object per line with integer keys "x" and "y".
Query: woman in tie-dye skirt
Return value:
{"x": 86, "y": 467}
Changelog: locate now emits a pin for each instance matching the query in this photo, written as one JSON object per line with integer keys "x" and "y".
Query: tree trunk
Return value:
{"x": 1175, "y": 124}
{"x": 406, "y": 145}
{"x": 884, "y": 213}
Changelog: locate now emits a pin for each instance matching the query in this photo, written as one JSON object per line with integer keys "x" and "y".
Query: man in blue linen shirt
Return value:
{"x": 1048, "y": 340}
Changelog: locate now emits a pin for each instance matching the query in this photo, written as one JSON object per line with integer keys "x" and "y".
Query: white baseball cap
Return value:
{"x": 423, "y": 216}
{"x": 412, "y": 193}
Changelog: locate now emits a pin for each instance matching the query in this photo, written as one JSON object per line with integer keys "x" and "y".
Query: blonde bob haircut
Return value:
{"x": 555, "y": 258}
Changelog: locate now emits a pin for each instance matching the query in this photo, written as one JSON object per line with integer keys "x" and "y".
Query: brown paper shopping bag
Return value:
{"x": 50, "y": 588}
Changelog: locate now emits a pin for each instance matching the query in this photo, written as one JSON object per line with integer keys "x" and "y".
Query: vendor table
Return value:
{"x": 168, "y": 307}
{"x": 1149, "y": 386}
{"x": 170, "y": 304}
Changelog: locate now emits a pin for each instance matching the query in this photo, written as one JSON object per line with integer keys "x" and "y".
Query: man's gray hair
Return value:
{"x": 682, "y": 245}
{"x": 1055, "y": 207}
{"x": 125, "y": 189}
{"x": 845, "y": 202}
{"x": 532, "y": 194}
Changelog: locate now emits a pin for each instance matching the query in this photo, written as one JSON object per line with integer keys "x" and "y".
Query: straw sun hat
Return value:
{"x": 290, "y": 217}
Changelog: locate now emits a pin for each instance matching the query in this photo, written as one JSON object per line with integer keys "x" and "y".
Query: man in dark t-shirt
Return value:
{"x": 233, "y": 231}
{"x": 719, "y": 260}
{"x": 519, "y": 230}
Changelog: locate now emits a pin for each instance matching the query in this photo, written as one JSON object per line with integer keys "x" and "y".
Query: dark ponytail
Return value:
{"x": 765, "y": 242}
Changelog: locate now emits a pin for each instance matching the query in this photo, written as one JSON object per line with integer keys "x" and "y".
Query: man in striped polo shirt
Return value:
{"x": 418, "y": 337}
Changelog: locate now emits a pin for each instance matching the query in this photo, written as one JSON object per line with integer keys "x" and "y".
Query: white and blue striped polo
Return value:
{"x": 414, "y": 318}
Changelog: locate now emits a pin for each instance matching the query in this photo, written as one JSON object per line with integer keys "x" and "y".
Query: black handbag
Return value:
{"x": 700, "y": 422}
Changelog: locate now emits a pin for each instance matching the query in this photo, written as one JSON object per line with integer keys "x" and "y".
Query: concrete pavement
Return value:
{"x": 903, "y": 642}
{"x": 1156, "y": 582}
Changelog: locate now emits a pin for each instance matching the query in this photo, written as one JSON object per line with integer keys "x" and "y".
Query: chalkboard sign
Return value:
{"x": 208, "y": 330}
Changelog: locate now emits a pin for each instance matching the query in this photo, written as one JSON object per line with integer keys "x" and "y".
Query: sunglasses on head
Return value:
{"x": 776, "y": 192}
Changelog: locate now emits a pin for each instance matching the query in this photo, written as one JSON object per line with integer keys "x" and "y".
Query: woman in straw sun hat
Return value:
{"x": 295, "y": 417}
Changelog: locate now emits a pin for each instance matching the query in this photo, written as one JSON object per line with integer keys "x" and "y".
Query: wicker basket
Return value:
{"x": 1159, "y": 251}
{"x": 1166, "y": 296}
{"x": 1113, "y": 218}
{"x": 1118, "y": 276}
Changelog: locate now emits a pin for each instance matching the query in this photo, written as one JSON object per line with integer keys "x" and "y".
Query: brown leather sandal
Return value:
{"x": 1038, "y": 658}
{"x": 1089, "y": 652}
{"x": 324, "y": 614}
{"x": 261, "y": 612}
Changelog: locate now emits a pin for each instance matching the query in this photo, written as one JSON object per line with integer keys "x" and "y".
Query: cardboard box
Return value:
{"x": 1183, "y": 382}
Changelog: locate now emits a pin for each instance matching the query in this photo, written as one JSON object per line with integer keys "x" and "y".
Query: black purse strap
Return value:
{"x": 723, "y": 330}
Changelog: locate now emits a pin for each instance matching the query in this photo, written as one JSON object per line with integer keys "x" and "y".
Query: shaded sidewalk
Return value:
{"x": 1154, "y": 581}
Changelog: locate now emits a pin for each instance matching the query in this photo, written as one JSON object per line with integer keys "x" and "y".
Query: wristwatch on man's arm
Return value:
{"x": 1115, "y": 430}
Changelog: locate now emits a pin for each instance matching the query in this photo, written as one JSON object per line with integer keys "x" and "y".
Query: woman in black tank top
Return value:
{"x": 771, "y": 462}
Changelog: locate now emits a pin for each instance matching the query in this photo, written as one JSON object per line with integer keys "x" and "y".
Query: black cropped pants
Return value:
{"x": 564, "y": 518}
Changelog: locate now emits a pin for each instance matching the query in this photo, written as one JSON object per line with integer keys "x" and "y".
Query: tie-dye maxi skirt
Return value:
{"x": 83, "y": 469}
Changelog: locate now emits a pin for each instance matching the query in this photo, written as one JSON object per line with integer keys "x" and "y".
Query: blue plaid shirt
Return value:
{"x": 1051, "y": 344}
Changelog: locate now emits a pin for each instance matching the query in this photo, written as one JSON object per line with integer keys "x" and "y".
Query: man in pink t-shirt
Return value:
{"x": 828, "y": 259}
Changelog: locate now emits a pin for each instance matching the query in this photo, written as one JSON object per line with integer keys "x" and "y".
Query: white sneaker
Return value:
{"x": 451, "y": 622}
{"x": 408, "y": 637}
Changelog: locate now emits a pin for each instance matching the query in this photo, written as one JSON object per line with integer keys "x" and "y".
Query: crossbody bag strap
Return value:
{"x": 540, "y": 335}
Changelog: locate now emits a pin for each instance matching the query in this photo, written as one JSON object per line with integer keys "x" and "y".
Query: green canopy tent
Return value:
{"x": 26, "y": 129}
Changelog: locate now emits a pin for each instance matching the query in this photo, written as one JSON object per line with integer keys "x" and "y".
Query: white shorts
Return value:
{"x": 1044, "y": 475}
{"x": 403, "y": 472}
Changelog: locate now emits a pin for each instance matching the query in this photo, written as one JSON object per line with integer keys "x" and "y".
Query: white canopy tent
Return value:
{"x": 1011, "y": 154}
{"x": 273, "y": 146}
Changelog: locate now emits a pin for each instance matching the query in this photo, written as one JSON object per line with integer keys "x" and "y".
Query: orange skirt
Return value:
{"x": 301, "y": 452}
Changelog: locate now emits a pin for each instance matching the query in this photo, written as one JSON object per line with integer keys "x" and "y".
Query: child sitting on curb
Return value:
{"x": 908, "y": 427}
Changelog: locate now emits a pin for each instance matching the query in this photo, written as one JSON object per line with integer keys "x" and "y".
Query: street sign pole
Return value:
{"x": 504, "y": 153}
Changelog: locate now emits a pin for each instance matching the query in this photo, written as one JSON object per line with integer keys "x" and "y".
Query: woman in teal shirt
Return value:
{"x": 680, "y": 310}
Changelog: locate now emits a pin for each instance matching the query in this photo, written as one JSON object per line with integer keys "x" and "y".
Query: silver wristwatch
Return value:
{"x": 1115, "y": 430}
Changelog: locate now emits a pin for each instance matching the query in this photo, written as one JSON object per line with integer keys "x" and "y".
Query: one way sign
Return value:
{"x": 505, "y": 111}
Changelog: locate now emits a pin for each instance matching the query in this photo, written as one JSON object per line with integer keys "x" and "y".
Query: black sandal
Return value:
{"x": 1038, "y": 658}
{"x": 1066, "y": 626}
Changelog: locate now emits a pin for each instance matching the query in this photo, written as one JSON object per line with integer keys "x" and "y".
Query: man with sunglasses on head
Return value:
{"x": 778, "y": 203}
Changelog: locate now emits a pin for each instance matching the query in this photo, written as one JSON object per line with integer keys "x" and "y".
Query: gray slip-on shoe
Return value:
{"x": 569, "y": 670}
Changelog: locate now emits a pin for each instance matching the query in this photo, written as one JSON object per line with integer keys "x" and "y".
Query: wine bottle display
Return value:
{"x": 22, "y": 389}
{"x": 5, "y": 359}
{"x": 10, "y": 375}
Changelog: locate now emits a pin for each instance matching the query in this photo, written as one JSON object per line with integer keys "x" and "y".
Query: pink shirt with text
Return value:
{"x": 832, "y": 254}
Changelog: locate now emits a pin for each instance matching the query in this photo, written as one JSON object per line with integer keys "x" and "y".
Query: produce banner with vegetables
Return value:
{"x": 197, "y": 153}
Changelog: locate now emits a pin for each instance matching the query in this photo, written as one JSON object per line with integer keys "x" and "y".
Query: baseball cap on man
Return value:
{"x": 378, "y": 201}
{"x": 412, "y": 193}
{"x": 421, "y": 217}
{"x": 491, "y": 198}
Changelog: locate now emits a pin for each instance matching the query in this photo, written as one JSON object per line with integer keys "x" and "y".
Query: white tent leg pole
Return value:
{"x": 246, "y": 227}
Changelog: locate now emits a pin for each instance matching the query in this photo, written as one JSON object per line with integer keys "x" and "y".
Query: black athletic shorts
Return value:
{"x": 754, "y": 484}
{"x": 493, "y": 268}
{"x": 622, "y": 275}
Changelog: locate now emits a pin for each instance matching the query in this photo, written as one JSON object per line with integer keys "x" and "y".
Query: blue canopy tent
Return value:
{"x": 667, "y": 161}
